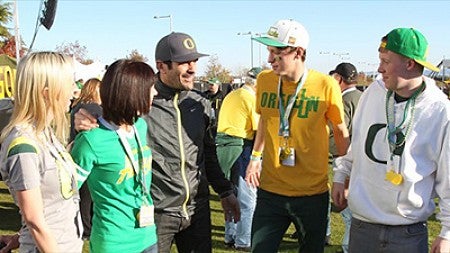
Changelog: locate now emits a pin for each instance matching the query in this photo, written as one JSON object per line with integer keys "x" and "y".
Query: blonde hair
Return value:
{"x": 43, "y": 80}
{"x": 89, "y": 93}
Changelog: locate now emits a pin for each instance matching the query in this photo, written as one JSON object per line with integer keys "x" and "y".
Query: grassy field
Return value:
{"x": 10, "y": 222}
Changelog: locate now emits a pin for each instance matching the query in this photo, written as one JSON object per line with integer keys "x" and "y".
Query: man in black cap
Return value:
{"x": 346, "y": 75}
{"x": 184, "y": 154}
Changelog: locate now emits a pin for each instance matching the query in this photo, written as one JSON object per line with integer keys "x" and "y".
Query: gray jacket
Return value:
{"x": 184, "y": 153}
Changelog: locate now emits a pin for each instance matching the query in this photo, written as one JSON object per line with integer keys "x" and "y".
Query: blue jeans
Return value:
{"x": 274, "y": 213}
{"x": 328, "y": 234}
{"x": 374, "y": 238}
{"x": 151, "y": 249}
{"x": 240, "y": 232}
{"x": 347, "y": 218}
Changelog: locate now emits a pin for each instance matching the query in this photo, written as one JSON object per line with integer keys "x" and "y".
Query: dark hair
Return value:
{"x": 292, "y": 49}
{"x": 169, "y": 64}
{"x": 125, "y": 91}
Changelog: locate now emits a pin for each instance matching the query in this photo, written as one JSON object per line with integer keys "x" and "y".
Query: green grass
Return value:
{"x": 10, "y": 223}
{"x": 9, "y": 214}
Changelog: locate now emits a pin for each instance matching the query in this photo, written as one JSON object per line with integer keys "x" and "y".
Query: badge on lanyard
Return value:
{"x": 146, "y": 215}
{"x": 392, "y": 175}
{"x": 394, "y": 178}
{"x": 286, "y": 152}
{"x": 395, "y": 137}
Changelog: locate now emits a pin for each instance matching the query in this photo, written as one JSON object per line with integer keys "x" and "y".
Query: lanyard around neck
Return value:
{"x": 137, "y": 167}
{"x": 60, "y": 155}
{"x": 286, "y": 112}
{"x": 390, "y": 118}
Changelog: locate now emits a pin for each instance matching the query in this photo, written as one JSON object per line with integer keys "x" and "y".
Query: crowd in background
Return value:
{"x": 144, "y": 146}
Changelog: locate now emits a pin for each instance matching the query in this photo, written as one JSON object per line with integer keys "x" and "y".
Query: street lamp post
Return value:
{"x": 259, "y": 44}
{"x": 251, "y": 44}
{"x": 16, "y": 29}
{"x": 166, "y": 16}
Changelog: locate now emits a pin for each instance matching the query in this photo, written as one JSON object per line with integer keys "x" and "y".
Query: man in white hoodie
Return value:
{"x": 399, "y": 157}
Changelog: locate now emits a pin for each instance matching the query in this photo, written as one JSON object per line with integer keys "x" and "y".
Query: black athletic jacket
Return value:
{"x": 184, "y": 153}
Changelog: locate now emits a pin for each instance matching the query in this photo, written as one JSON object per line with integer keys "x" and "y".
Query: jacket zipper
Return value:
{"x": 182, "y": 158}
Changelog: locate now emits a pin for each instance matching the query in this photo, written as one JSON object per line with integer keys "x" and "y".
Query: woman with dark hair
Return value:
{"x": 116, "y": 162}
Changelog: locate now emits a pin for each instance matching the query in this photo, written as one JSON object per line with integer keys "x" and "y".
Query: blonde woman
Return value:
{"x": 36, "y": 167}
{"x": 89, "y": 100}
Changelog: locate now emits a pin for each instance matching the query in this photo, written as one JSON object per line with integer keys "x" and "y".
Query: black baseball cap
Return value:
{"x": 177, "y": 47}
{"x": 347, "y": 71}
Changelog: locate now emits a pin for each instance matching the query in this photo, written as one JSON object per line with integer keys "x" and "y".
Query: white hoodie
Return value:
{"x": 424, "y": 164}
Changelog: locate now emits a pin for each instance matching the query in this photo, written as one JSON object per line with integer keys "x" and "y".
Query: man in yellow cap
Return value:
{"x": 399, "y": 157}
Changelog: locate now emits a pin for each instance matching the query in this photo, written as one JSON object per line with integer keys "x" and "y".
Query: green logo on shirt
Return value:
{"x": 303, "y": 103}
{"x": 128, "y": 172}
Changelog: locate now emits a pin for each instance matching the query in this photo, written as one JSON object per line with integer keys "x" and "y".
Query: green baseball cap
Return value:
{"x": 409, "y": 43}
{"x": 253, "y": 72}
{"x": 214, "y": 80}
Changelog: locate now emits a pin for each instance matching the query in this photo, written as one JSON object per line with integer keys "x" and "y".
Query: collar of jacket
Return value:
{"x": 165, "y": 91}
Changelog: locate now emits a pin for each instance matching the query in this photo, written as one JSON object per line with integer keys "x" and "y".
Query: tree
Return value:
{"x": 215, "y": 69}
{"x": 7, "y": 41}
{"x": 8, "y": 47}
{"x": 5, "y": 17}
{"x": 242, "y": 71}
{"x": 76, "y": 50}
{"x": 136, "y": 56}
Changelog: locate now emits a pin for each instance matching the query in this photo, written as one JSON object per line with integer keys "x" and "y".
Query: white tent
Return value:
{"x": 93, "y": 70}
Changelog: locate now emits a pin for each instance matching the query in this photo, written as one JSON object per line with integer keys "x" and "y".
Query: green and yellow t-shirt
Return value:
{"x": 318, "y": 102}
{"x": 237, "y": 116}
{"x": 115, "y": 189}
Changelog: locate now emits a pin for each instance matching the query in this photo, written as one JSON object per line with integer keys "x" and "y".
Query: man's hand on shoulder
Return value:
{"x": 83, "y": 121}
